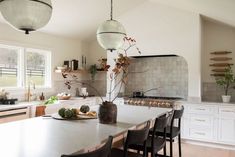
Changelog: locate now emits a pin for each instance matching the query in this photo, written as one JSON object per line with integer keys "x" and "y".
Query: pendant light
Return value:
{"x": 110, "y": 35}
{"x": 26, "y": 15}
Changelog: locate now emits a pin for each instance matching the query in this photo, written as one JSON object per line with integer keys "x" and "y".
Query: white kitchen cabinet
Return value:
{"x": 198, "y": 122}
{"x": 213, "y": 123}
{"x": 14, "y": 114}
{"x": 226, "y": 131}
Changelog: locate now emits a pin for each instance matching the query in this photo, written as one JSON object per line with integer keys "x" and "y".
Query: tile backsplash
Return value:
{"x": 168, "y": 74}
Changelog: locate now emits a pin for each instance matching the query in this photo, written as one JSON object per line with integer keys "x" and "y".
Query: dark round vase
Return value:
{"x": 107, "y": 113}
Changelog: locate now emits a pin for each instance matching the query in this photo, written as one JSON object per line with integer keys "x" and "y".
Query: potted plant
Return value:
{"x": 108, "y": 110}
{"x": 40, "y": 109}
{"x": 93, "y": 71}
{"x": 226, "y": 83}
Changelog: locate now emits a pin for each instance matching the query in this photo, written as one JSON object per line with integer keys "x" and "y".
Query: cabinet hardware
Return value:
{"x": 201, "y": 109}
{"x": 227, "y": 111}
{"x": 200, "y": 120}
{"x": 200, "y": 133}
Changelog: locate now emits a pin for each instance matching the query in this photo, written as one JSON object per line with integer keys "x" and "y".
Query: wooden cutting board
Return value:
{"x": 221, "y": 64}
{"x": 220, "y": 52}
{"x": 79, "y": 117}
{"x": 221, "y": 59}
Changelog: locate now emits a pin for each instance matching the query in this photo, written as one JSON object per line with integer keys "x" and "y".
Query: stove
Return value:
{"x": 8, "y": 101}
{"x": 152, "y": 101}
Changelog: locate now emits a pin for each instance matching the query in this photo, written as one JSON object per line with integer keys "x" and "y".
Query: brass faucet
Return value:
{"x": 29, "y": 94}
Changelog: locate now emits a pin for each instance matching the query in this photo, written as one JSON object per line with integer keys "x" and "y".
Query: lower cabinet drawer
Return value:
{"x": 201, "y": 121}
{"x": 202, "y": 109}
{"x": 227, "y": 111}
{"x": 14, "y": 114}
{"x": 197, "y": 133}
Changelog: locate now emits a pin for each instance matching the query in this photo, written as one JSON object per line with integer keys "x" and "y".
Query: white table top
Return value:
{"x": 47, "y": 137}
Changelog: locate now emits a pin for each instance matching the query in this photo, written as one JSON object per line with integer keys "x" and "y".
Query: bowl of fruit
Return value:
{"x": 64, "y": 96}
{"x": 75, "y": 114}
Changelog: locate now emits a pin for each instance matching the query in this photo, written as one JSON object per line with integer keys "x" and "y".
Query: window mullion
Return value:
{"x": 20, "y": 71}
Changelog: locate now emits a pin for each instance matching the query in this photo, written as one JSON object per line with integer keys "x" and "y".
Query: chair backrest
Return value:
{"x": 160, "y": 124}
{"x": 137, "y": 137}
{"x": 103, "y": 151}
{"x": 177, "y": 116}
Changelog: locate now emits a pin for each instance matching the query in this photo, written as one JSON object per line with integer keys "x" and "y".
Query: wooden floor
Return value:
{"x": 189, "y": 150}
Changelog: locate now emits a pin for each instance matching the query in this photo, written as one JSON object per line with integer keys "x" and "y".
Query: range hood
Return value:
{"x": 150, "y": 56}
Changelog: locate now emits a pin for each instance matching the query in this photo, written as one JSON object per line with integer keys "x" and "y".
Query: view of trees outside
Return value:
{"x": 8, "y": 67}
{"x": 35, "y": 68}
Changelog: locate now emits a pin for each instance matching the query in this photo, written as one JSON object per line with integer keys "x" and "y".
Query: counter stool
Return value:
{"x": 154, "y": 142}
{"x": 173, "y": 130}
{"x": 104, "y": 151}
{"x": 133, "y": 137}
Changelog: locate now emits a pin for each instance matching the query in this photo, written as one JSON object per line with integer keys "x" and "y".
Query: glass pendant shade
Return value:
{"x": 26, "y": 15}
{"x": 110, "y": 35}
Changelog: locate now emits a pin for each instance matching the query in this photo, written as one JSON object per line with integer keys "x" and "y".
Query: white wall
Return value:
{"x": 62, "y": 48}
{"x": 217, "y": 37}
{"x": 160, "y": 29}
{"x": 95, "y": 52}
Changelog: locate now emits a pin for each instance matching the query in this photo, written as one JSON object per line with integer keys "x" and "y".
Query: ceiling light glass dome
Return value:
{"x": 26, "y": 15}
{"x": 110, "y": 35}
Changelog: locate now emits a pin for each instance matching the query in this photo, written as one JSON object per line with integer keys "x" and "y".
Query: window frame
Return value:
{"x": 22, "y": 65}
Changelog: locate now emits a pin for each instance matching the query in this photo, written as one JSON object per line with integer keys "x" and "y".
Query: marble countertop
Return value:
{"x": 207, "y": 103}
{"x": 19, "y": 105}
{"x": 34, "y": 103}
{"x": 47, "y": 137}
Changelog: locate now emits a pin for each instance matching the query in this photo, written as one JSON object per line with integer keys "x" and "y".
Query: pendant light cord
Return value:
{"x": 111, "y": 12}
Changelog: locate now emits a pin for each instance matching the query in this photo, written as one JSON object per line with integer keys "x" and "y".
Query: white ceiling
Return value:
{"x": 219, "y": 10}
{"x": 79, "y": 19}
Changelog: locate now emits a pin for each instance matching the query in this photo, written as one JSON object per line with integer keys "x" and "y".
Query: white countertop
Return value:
{"x": 47, "y": 137}
{"x": 207, "y": 103}
{"x": 19, "y": 105}
{"x": 34, "y": 103}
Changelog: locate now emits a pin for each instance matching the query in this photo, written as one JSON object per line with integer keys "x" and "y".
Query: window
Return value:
{"x": 20, "y": 66}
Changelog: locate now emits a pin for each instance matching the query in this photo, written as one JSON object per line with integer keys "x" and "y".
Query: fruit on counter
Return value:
{"x": 67, "y": 113}
{"x": 84, "y": 108}
{"x": 74, "y": 111}
{"x": 61, "y": 112}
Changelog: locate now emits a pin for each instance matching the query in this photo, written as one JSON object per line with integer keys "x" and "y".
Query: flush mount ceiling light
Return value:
{"x": 111, "y": 33}
{"x": 26, "y": 15}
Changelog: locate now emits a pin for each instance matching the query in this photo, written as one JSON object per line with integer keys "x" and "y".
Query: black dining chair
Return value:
{"x": 173, "y": 130}
{"x": 154, "y": 142}
{"x": 104, "y": 151}
{"x": 133, "y": 137}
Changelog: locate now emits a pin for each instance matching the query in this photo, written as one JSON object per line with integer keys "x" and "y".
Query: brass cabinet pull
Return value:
{"x": 200, "y": 120}
{"x": 200, "y": 133}
{"x": 201, "y": 109}
{"x": 230, "y": 111}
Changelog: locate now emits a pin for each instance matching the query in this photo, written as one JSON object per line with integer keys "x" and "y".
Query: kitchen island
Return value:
{"x": 47, "y": 137}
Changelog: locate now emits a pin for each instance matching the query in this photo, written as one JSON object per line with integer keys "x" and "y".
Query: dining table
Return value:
{"x": 49, "y": 137}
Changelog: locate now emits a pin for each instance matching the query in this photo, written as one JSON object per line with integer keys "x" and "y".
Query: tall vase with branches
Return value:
{"x": 118, "y": 78}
